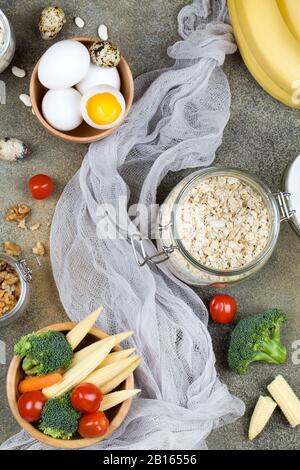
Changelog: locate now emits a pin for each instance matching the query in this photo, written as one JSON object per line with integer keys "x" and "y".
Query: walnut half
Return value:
{"x": 39, "y": 249}
{"x": 12, "y": 249}
{"x": 18, "y": 212}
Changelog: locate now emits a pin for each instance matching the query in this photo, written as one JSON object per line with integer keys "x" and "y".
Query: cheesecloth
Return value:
{"x": 176, "y": 122}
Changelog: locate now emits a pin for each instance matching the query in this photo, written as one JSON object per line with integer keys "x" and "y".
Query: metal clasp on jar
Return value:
{"x": 26, "y": 270}
{"x": 141, "y": 255}
{"x": 283, "y": 200}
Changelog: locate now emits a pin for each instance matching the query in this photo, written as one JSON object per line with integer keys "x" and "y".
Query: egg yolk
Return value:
{"x": 103, "y": 108}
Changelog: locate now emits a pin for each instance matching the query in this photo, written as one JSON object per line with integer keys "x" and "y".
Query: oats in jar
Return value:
{"x": 223, "y": 223}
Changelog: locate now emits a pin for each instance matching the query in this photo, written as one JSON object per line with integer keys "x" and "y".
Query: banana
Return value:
{"x": 262, "y": 413}
{"x": 290, "y": 12}
{"x": 268, "y": 36}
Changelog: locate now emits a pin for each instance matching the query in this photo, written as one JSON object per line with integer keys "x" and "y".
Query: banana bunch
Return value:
{"x": 268, "y": 36}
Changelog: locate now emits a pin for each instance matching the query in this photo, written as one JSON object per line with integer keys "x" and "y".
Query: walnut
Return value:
{"x": 39, "y": 249}
{"x": 18, "y": 212}
{"x": 10, "y": 288}
{"x": 12, "y": 249}
{"x": 22, "y": 224}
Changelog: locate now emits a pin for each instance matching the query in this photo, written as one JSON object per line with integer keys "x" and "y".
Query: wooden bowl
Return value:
{"x": 115, "y": 415}
{"x": 84, "y": 134}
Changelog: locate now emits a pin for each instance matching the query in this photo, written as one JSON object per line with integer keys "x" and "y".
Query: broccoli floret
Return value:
{"x": 44, "y": 352}
{"x": 257, "y": 338}
{"x": 59, "y": 419}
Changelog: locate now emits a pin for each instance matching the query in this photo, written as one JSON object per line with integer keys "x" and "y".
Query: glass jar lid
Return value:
{"x": 291, "y": 185}
{"x": 5, "y": 33}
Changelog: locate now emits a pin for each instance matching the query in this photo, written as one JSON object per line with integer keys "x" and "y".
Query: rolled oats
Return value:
{"x": 35, "y": 227}
{"x": 223, "y": 223}
{"x": 10, "y": 288}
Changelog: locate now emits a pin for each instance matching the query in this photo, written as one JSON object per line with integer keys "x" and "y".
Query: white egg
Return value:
{"x": 103, "y": 107}
{"x": 99, "y": 76}
{"x": 63, "y": 65}
{"x": 61, "y": 108}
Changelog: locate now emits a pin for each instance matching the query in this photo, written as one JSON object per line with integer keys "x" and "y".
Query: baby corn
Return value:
{"x": 100, "y": 376}
{"x": 80, "y": 355}
{"x": 76, "y": 335}
{"x": 118, "y": 379}
{"x": 262, "y": 413}
{"x": 117, "y": 356}
{"x": 113, "y": 399}
{"x": 286, "y": 400}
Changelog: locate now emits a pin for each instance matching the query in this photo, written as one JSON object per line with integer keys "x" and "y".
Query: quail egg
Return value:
{"x": 103, "y": 107}
{"x": 61, "y": 108}
{"x": 99, "y": 76}
{"x": 64, "y": 64}
{"x": 52, "y": 21}
{"x": 105, "y": 54}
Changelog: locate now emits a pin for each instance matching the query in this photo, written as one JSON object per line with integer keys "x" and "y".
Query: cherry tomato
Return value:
{"x": 41, "y": 186}
{"x": 86, "y": 398}
{"x": 93, "y": 425}
{"x": 30, "y": 405}
{"x": 222, "y": 308}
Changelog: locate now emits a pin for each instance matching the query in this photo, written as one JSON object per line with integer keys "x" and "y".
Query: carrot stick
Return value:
{"x": 38, "y": 383}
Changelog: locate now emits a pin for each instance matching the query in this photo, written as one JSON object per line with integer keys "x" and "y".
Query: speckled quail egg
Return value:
{"x": 99, "y": 76}
{"x": 61, "y": 108}
{"x": 103, "y": 107}
{"x": 52, "y": 21}
{"x": 105, "y": 54}
{"x": 64, "y": 64}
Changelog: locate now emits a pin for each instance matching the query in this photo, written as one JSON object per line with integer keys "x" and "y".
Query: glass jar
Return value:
{"x": 24, "y": 272}
{"x": 180, "y": 261}
{"x": 7, "y": 42}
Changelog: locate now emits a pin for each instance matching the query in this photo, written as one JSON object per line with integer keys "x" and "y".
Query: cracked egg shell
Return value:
{"x": 52, "y": 21}
{"x": 103, "y": 107}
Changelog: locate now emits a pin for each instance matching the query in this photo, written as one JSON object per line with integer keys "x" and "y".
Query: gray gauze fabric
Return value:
{"x": 176, "y": 122}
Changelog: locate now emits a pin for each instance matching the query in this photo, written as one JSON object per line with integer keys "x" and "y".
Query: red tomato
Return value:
{"x": 93, "y": 425}
{"x": 222, "y": 308}
{"x": 41, "y": 186}
{"x": 30, "y": 405}
{"x": 86, "y": 398}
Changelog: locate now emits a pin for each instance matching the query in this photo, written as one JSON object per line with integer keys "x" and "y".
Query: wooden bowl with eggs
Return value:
{"x": 83, "y": 134}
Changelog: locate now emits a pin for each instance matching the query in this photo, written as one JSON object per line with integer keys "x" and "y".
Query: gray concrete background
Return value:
{"x": 262, "y": 136}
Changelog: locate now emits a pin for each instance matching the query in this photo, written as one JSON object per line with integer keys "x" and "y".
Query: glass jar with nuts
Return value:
{"x": 219, "y": 226}
{"x": 15, "y": 279}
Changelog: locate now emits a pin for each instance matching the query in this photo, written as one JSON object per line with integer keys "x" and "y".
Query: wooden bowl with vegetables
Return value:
{"x": 70, "y": 385}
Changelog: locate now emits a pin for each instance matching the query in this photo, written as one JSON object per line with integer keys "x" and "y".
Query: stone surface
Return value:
{"x": 262, "y": 136}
